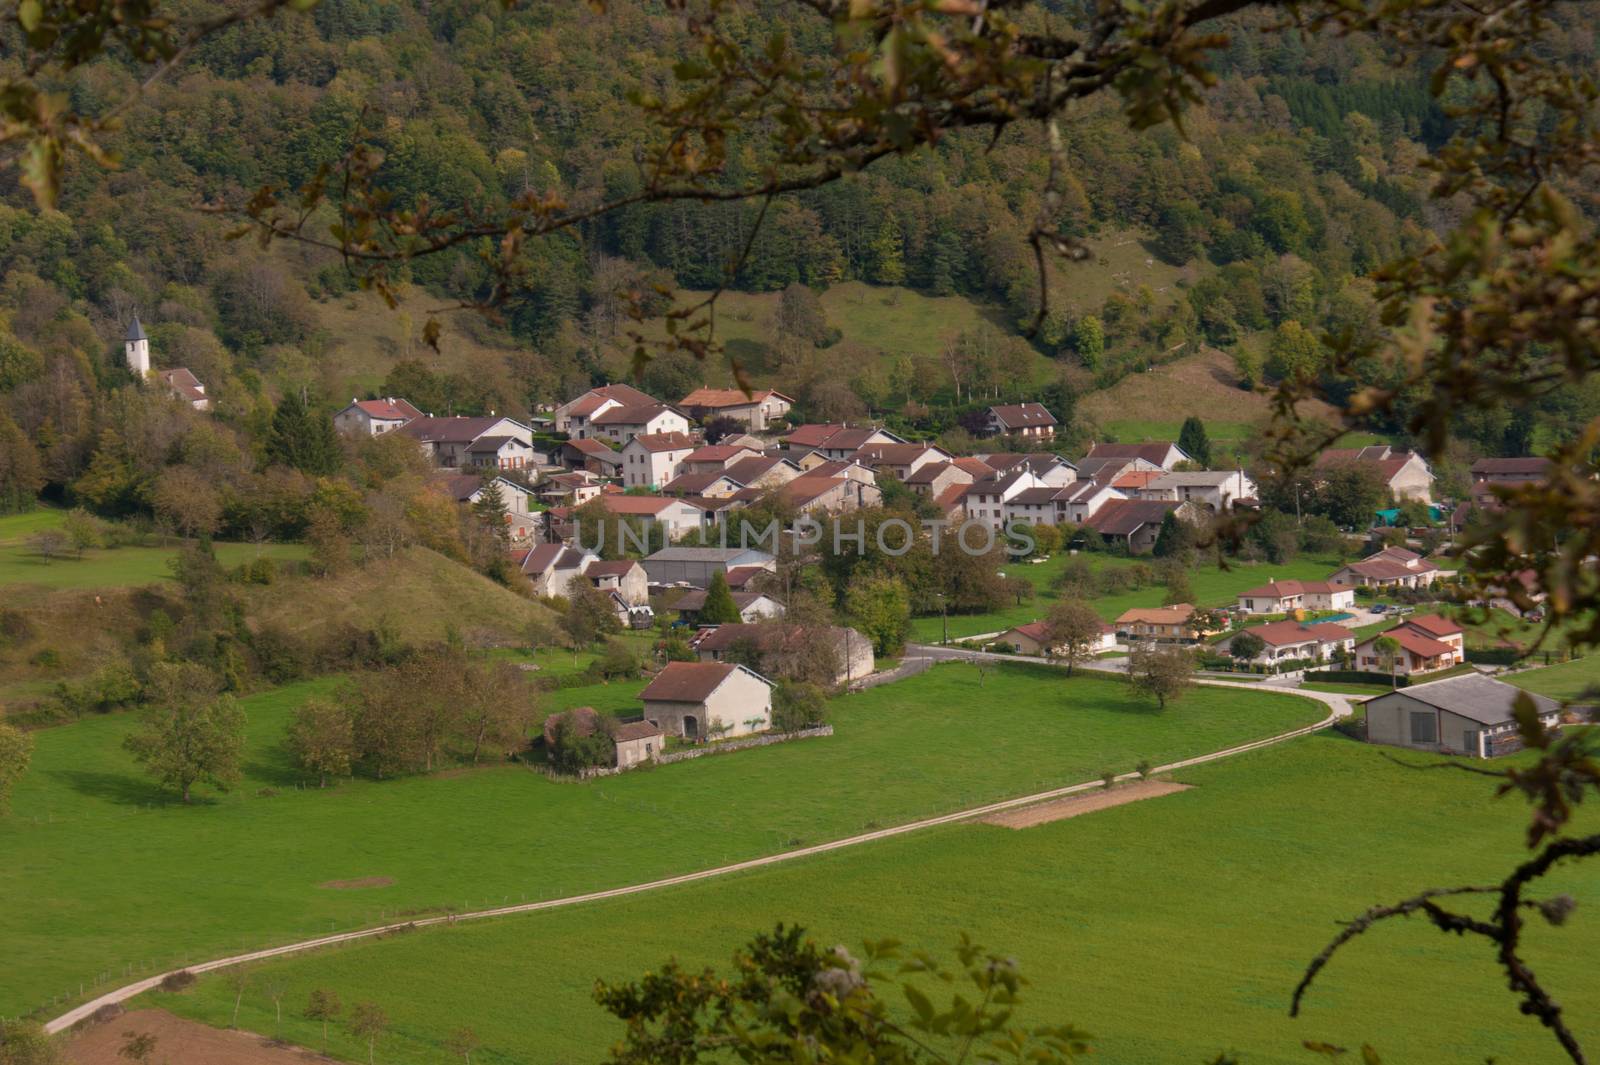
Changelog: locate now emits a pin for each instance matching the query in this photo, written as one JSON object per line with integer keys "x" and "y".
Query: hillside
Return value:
{"x": 419, "y": 595}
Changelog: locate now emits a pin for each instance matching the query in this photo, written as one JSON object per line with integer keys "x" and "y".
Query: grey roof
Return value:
{"x": 703, "y": 554}
{"x": 1475, "y": 697}
{"x": 136, "y": 331}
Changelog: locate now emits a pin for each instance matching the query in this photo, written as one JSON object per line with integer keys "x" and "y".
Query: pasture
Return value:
{"x": 23, "y": 568}
{"x": 1213, "y": 586}
{"x": 1173, "y": 930}
{"x": 107, "y": 874}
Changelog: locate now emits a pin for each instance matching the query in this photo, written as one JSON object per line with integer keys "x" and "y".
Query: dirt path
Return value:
{"x": 181, "y": 1041}
{"x": 1078, "y": 805}
{"x": 1338, "y": 706}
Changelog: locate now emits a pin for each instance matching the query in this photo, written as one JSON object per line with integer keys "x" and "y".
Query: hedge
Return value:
{"x": 1494, "y": 656}
{"x": 1355, "y": 676}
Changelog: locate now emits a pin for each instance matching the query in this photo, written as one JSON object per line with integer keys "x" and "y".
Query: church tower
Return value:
{"x": 137, "y": 349}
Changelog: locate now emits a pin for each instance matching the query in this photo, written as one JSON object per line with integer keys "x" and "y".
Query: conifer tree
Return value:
{"x": 1193, "y": 440}
{"x": 303, "y": 438}
{"x": 720, "y": 608}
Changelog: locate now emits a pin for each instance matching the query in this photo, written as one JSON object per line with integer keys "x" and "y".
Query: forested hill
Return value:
{"x": 1299, "y": 177}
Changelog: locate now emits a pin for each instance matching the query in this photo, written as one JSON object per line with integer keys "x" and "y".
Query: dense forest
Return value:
{"x": 1299, "y": 178}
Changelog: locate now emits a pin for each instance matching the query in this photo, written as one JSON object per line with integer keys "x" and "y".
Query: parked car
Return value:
{"x": 1378, "y": 608}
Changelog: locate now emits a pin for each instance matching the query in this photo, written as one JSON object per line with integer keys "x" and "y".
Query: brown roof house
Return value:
{"x": 552, "y": 569}
{"x": 573, "y": 417}
{"x": 369, "y": 417}
{"x": 780, "y": 649}
{"x": 1282, "y": 597}
{"x": 1405, "y": 473}
{"x": 1471, "y": 714}
{"x": 1028, "y": 420}
{"x": 1178, "y": 623}
{"x": 1286, "y": 640}
{"x": 708, "y": 700}
{"x": 1136, "y": 523}
{"x": 637, "y": 741}
{"x": 1428, "y": 643}
{"x": 1034, "y": 639}
{"x": 758, "y": 410}
{"x": 1164, "y": 455}
{"x": 1393, "y": 567}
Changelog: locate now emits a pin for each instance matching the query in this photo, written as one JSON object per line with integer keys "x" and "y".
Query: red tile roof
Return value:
{"x": 717, "y": 398}
{"x": 1022, "y": 415}
{"x": 388, "y": 409}
{"x": 1434, "y": 625}
{"x": 654, "y": 442}
{"x": 635, "y": 414}
{"x": 1288, "y": 633}
{"x": 1124, "y": 517}
{"x": 1279, "y": 589}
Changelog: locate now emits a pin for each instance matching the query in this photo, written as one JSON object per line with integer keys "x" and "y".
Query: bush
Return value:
{"x": 1495, "y": 656}
{"x": 178, "y": 981}
{"x": 797, "y": 705}
{"x": 1354, "y": 676}
{"x": 45, "y": 658}
{"x": 15, "y": 628}
{"x": 279, "y": 655}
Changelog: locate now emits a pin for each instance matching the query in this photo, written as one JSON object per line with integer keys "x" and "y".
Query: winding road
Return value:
{"x": 1338, "y": 706}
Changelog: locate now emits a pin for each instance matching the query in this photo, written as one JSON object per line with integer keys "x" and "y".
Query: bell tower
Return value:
{"x": 136, "y": 347}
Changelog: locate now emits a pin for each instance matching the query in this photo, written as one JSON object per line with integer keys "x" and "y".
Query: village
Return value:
{"x": 673, "y": 477}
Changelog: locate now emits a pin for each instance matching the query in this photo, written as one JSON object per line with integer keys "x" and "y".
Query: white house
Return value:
{"x": 1282, "y": 597}
{"x": 449, "y": 441}
{"x": 623, "y": 423}
{"x": 501, "y": 453}
{"x": 1393, "y": 567}
{"x": 652, "y": 459}
{"x": 1077, "y": 501}
{"x": 1049, "y": 467}
{"x": 986, "y": 500}
{"x": 370, "y": 417}
{"x": 714, "y": 458}
{"x": 835, "y": 440}
{"x": 1164, "y": 455}
{"x": 1405, "y": 473}
{"x": 753, "y": 606}
{"x": 758, "y": 410}
{"x": 1288, "y": 640}
{"x": 1427, "y": 644}
{"x": 900, "y": 461}
{"x": 1027, "y": 420}
{"x": 552, "y": 569}
{"x": 677, "y": 516}
{"x": 468, "y": 488}
{"x": 701, "y": 700}
{"x": 573, "y": 416}
{"x": 185, "y": 386}
{"x": 1216, "y": 490}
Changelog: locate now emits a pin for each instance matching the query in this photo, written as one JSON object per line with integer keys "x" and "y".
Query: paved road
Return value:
{"x": 1337, "y": 704}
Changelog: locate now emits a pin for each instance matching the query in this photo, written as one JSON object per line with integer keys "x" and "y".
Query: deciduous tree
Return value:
{"x": 368, "y": 1021}
{"x": 323, "y": 1006}
{"x": 16, "y": 750}
{"x": 1072, "y": 629}
{"x": 190, "y": 734}
{"x": 1165, "y": 673}
{"x": 321, "y": 739}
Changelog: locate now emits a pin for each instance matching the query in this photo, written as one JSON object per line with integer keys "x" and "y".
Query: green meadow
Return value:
{"x": 117, "y": 567}
{"x": 1213, "y": 586}
{"x": 1172, "y": 929}
{"x": 106, "y": 874}
{"x": 1579, "y": 678}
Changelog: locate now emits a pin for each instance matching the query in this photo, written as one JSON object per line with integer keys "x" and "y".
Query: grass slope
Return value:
{"x": 420, "y": 593}
{"x": 1579, "y": 678}
{"x": 26, "y": 575}
{"x": 103, "y": 871}
{"x": 1212, "y": 586}
{"x": 1172, "y": 929}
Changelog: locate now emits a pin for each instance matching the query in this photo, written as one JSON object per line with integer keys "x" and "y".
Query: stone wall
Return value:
{"x": 766, "y": 739}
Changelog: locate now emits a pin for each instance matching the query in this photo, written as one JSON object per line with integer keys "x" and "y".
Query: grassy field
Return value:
{"x": 1172, "y": 929}
{"x": 251, "y": 867}
{"x": 22, "y": 567}
{"x": 1569, "y": 680}
{"x": 1212, "y": 585}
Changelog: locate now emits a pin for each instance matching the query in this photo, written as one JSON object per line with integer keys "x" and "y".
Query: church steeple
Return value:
{"x": 136, "y": 347}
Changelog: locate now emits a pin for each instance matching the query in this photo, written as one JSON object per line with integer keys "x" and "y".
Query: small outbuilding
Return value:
{"x": 637, "y": 742}
{"x": 1472, "y": 714}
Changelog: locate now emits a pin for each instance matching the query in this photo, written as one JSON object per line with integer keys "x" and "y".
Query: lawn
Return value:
{"x": 1172, "y": 929}
{"x": 1212, "y": 586}
{"x": 104, "y": 871}
{"x": 120, "y": 567}
{"x": 1569, "y": 680}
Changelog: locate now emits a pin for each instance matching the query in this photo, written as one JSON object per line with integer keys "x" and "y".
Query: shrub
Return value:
{"x": 797, "y": 705}
{"x": 279, "y": 655}
{"x": 15, "y": 628}
{"x": 45, "y": 658}
{"x": 178, "y": 981}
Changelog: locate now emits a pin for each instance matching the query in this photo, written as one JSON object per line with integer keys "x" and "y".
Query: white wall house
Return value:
{"x": 1282, "y": 597}
{"x": 653, "y": 459}
{"x": 1217, "y": 490}
{"x": 370, "y": 417}
{"x": 715, "y": 700}
{"x": 622, "y": 423}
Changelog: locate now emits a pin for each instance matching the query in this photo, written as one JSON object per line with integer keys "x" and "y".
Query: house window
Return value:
{"x": 1424, "y": 728}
